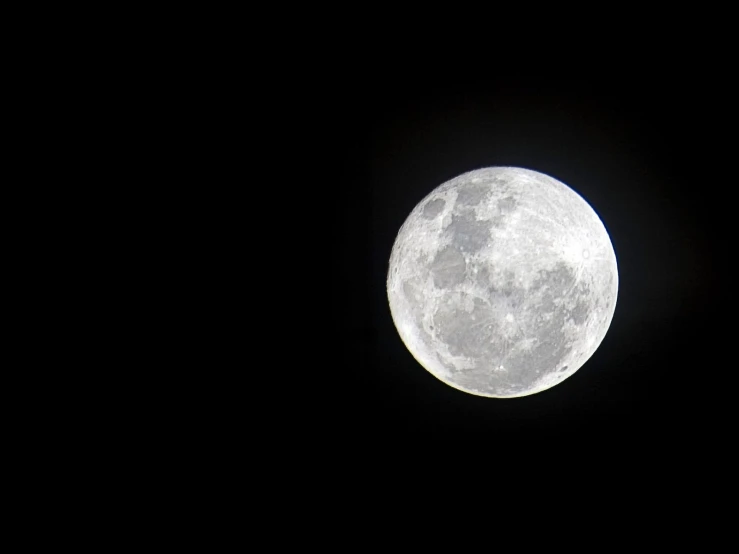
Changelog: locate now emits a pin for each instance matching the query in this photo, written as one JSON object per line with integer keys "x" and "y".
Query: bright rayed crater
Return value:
{"x": 502, "y": 282}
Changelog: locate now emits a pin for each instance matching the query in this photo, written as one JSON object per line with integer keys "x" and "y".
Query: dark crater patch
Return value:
{"x": 507, "y": 205}
{"x": 433, "y": 208}
{"x": 468, "y": 234}
{"x": 448, "y": 267}
{"x": 467, "y": 333}
{"x": 471, "y": 194}
{"x": 514, "y": 297}
{"x": 579, "y": 314}
{"x": 556, "y": 282}
{"x": 482, "y": 277}
{"x": 561, "y": 284}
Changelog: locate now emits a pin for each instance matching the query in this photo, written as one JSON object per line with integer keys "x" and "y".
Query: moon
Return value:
{"x": 502, "y": 282}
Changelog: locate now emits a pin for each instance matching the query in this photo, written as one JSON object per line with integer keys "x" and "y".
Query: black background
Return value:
{"x": 649, "y": 154}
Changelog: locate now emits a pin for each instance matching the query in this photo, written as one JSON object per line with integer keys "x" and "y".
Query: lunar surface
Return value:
{"x": 502, "y": 282}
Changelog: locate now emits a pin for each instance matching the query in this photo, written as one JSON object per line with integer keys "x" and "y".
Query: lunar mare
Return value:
{"x": 502, "y": 282}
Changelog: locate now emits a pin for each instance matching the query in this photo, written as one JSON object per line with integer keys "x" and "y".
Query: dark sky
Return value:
{"x": 648, "y": 154}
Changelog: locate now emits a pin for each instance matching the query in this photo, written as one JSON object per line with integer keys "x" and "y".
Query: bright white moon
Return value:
{"x": 502, "y": 282}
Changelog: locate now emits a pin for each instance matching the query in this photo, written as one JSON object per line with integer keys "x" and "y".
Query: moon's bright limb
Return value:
{"x": 502, "y": 282}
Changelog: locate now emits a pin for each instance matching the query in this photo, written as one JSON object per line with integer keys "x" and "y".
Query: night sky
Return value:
{"x": 646, "y": 153}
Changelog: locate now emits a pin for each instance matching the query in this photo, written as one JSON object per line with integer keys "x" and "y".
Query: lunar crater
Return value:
{"x": 468, "y": 234}
{"x": 448, "y": 267}
{"x": 433, "y": 208}
{"x": 472, "y": 193}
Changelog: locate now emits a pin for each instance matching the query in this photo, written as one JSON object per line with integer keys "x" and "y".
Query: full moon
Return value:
{"x": 502, "y": 282}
